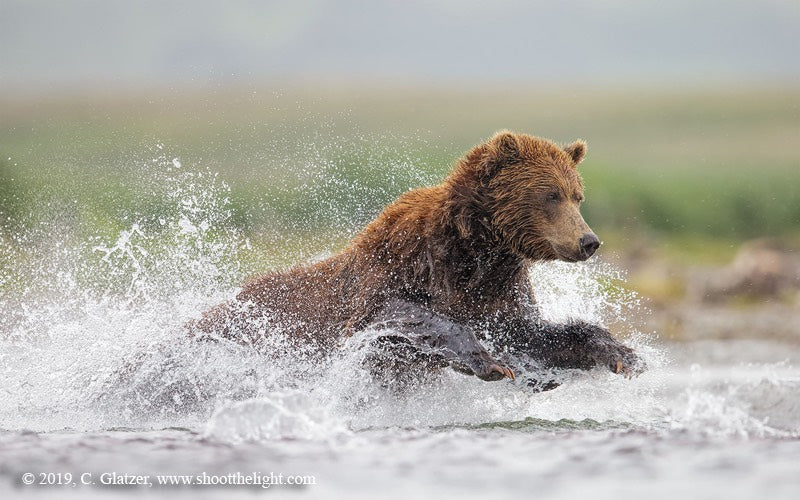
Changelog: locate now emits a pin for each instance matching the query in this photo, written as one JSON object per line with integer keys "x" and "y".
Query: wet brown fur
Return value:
{"x": 460, "y": 248}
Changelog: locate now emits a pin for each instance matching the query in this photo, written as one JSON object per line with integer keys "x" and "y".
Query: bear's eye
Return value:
{"x": 554, "y": 196}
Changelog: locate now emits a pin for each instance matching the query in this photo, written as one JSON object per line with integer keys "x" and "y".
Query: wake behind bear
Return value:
{"x": 443, "y": 270}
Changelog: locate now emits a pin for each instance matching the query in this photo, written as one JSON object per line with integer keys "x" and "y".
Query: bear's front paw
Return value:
{"x": 621, "y": 359}
{"x": 496, "y": 372}
{"x": 489, "y": 369}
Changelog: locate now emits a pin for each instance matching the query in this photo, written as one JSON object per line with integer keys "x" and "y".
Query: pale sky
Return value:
{"x": 51, "y": 43}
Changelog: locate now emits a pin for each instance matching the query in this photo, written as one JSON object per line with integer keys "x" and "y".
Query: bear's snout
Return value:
{"x": 588, "y": 244}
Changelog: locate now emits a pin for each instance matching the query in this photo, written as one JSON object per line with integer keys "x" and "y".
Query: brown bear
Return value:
{"x": 444, "y": 266}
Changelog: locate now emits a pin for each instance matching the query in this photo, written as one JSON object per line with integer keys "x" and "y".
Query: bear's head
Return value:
{"x": 526, "y": 192}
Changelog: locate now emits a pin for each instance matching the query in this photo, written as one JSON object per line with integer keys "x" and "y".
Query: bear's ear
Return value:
{"x": 502, "y": 149}
{"x": 576, "y": 150}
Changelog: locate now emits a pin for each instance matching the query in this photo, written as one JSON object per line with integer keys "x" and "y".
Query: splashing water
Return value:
{"x": 92, "y": 340}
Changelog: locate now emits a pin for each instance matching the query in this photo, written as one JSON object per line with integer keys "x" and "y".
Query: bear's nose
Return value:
{"x": 589, "y": 245}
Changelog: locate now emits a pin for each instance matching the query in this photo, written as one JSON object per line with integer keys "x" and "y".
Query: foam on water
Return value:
{"x": 93, "y": 339}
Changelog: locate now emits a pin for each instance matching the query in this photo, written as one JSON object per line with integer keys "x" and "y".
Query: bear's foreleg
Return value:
{"x": 423, "y": 337}
{"x": 577, "y": 344}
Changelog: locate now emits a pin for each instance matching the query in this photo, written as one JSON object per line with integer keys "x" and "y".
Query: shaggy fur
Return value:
{"x": 459, "y": 251}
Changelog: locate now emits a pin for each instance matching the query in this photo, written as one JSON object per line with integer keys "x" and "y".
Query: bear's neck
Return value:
{"x": 480, "y": 264}
{"x": 470, "y": 262}
{"x": 421, "y": 246}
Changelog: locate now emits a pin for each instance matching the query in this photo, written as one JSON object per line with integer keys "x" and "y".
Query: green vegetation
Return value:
{"x": 699, "y": 170}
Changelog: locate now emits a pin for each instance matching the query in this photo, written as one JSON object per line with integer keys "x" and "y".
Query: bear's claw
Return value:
{"x": 496, "y": 372}
{"x": 619, "y": 358}
{"x": 505, "y": 371}
{"x": 629, "y": 366}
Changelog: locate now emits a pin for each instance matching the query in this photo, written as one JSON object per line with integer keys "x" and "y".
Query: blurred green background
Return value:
{"x": 316, "y": 125}
{"x": 698, "y": 170}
